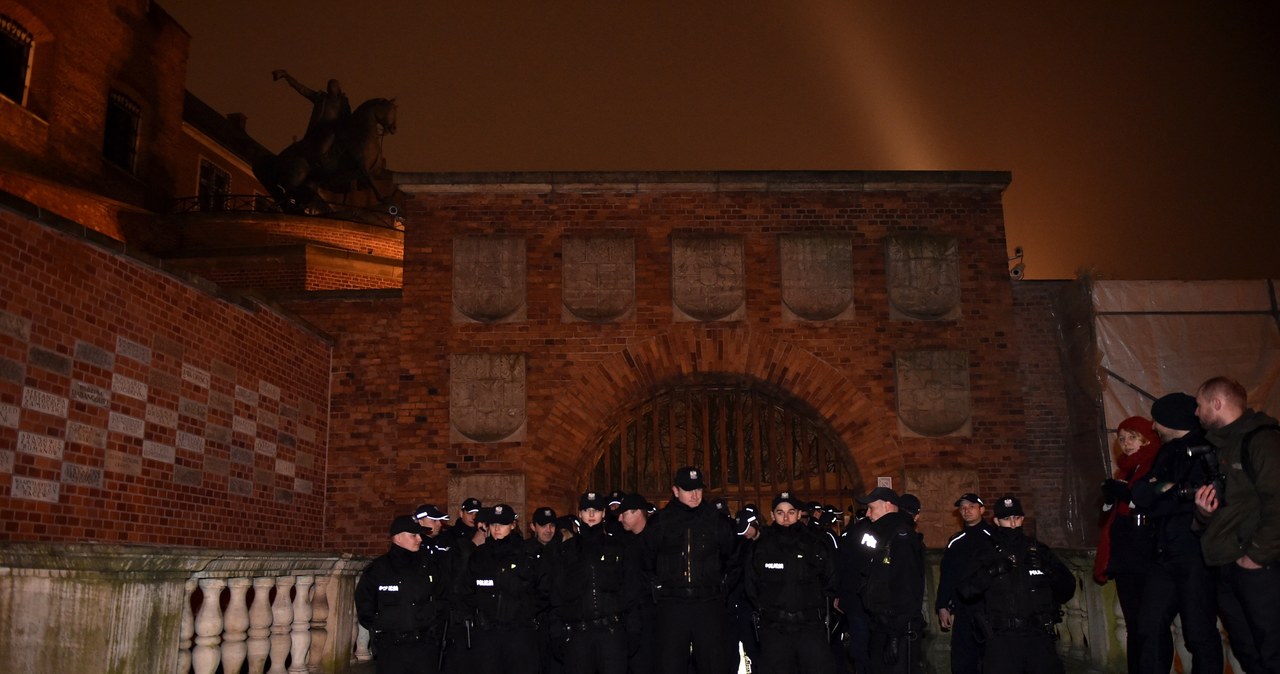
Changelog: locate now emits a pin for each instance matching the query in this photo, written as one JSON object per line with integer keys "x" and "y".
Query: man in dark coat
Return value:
{"x": 399, "y": 600}
{"x": 893, "y": 587}
{"x": 954, "y": 613}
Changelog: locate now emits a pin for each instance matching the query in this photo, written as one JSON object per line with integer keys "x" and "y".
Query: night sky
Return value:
{"x": 1144, "y": 138}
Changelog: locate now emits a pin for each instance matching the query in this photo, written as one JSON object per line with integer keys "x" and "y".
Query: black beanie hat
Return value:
{"x": 1176, "y": 411}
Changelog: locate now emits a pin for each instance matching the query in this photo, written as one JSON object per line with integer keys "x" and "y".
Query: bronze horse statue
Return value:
{"x": 345, "y": 161}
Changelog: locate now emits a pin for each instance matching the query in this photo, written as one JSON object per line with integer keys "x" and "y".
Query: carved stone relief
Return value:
{"x": 486, "y": 397}
{"x": 938, "y": 489}
{"x": 708, "y": 279}
{"x": 599, "y": 279}
{"x": 817, "y": 276}
{"x": 488, "y": 279}
{"x": 923, "y": 273}
{"x": 933, "y": 393}
{"x": 491, "y": 489}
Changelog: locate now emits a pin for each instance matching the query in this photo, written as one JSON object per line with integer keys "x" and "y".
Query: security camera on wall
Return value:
{"x": 1018, "y": 270}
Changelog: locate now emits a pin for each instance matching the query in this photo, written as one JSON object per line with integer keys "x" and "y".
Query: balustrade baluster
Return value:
{"x": 363, "y": 654}
{"x": 235, "y": 625}
{"x": 282, "y": 621}
{"x": 206, "y": 655}
{"x": 319, "y": 621}
{"x": 301, "y": 625}
{"x": 260, "y": 625}
{"x": 187, "y": 629}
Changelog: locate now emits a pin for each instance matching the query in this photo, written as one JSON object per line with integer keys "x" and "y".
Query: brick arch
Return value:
{"x": 602, "y": 390}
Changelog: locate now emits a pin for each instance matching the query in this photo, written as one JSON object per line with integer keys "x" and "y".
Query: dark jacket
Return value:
{"x": 687, "y": 551}
{"x": 1020, "y": 581}
{"x": 857, "y": 547}
{"x": 1248, "y": 520}
{"x": 592, "y": 578}
{"x": 789, "y": 575}
{"x": 502, "y": 585}
{"x": 400, "y": 594}
{"x": 893, "y": 591}
{"x": 1161, "y": 495}
{"x": 961, "y": 550}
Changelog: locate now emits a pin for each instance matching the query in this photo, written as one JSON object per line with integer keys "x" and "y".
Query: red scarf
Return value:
{"x": 1130, "y": 468}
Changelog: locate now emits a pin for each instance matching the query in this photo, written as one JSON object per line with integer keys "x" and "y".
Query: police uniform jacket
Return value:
{"x": 1020, "y": 581}
{"x": 400, "y": 595}
{"x": 961, "y": 550}
{"x": 687, "y": 551}
{"x": 592, "y": 578}
{"x": 502, "y": 585}
{"x": 1170, "y": 514}
{"x": 789, "y": 575}
{"x": 893, "y": 592}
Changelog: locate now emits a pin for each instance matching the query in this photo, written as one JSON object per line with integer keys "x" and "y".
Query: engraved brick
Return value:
{"x": 264, "y": 477}
{"x": 162, "y": 416}
{"x": 9, "y": 415}
{"x": 157, "y": 451}
{"x": 287, "y": 440}
{"x": 48, "y": 360}
{"x": 264, "y": 447}
{"x": 218, "y": 434}
{"x": 243, "y": 425}
{"x": 31, "y": 489}
{"x": 167, "y": 346}
{"x": 133, "y": 350}
{"x": 246, "y": 396}
{"x": 242, "y": 455}
{"x": 268, "y": 419}
{"x": 285, "y": 468}
{"x": 193, "y": 409}
{"x": 46, "y": 403}
{"x": 101, "y": 358}
{"x": 222, "y": 402}
{"x": 195, "y": 375}
{"x": 191, "y": 477}
{"x": 216, "y": 466}
{"x": 284, "y": 496}
{"x": 84, "y": 392}
{"x": 307, "y": 434}
{"x": 127, "y": 425}
{"x": 224, "y": 370}
{"x": 289, "y": 412}
{"x": 14, "y": 326}
{"x": 302, "y": 486}
{"x": 164, "y": 381}
{"x": 120, "y": 462}
{"x": 84, "y": 434}
{"x": 269, "y": 390}
{"x": 240, "y": 487}
{"x": 190, "y": 442}
{"x": 306, "y": 460}
{"x": 40, "y": 445}
{"x": 6, "y": 460}
{"x": 12, "y": 371}
{"x": 84, "y": 476}
{"x": 128, "y": 387}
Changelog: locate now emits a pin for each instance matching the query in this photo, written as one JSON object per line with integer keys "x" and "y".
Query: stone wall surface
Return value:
{"x": 138, "y": 408}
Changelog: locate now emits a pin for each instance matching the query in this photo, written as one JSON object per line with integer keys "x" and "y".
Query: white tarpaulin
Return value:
{"x": 1157, "y": 337}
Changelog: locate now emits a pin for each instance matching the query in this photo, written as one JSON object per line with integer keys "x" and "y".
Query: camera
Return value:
{"x": 1212, "y": 474}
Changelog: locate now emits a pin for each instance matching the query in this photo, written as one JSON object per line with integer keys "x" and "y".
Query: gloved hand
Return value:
{"x": 1115, "y": 491}
{"x": 1034, "y": 559}
{"x": 891, "y": 651}
{"x": 999, "y": 567}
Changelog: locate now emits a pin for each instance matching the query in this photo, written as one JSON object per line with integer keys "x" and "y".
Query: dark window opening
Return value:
{"x": 215, "y": 185}
{"x": 15, "y": 59}
{"x": 120, "y": 142}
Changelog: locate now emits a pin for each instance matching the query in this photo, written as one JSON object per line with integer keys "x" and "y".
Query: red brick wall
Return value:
{"x": 137, "y": 408}
{"x": 580, "y": 376}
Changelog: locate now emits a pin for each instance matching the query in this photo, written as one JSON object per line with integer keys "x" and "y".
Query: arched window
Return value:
{"x": 15, "y": 59}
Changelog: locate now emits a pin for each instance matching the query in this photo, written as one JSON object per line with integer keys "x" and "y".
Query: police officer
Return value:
{"x": 789, "y": 579}
{"x": 501, "y": 590}
{"x": 741, "y": 612}
{"x": 687, "y": 547}
{"x": 893, "y": 585}
{"x": 954, "y": 613}
{"x": 593, "y": 589}
{"x": 633, "y": 514}
{"x": 398, "y": 600}
{"x": 1022, "y": 586}
{"x": 464, "y": 528}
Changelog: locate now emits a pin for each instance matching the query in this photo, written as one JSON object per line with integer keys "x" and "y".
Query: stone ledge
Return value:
{"x": 701, "y": 181}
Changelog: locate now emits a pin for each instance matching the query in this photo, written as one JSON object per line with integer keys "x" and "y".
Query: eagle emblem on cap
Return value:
{"x": 591, "y": 495}
{"x": 785, "y": 494}
{"x": 1008, "y": 503}
{"x": 497, "y": 510}
{"x": 693, "y": 474}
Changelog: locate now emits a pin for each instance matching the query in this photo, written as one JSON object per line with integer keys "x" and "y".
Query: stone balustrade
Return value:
{"x": 88, "y": 607}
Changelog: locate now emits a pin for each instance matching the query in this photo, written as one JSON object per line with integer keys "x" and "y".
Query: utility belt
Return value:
{"x": 386, "y": 637}
{"x": 480, "y": 623}
{"x": 1037, "y": 624}
{"x": 607, "y": 622}
{"x": 811, "y": 616}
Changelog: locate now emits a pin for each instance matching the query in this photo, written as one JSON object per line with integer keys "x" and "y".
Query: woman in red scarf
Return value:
{"x": 1126, "y": 543}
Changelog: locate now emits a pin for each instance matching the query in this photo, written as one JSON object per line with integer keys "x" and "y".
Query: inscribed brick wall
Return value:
{"x": 136, "y": 408}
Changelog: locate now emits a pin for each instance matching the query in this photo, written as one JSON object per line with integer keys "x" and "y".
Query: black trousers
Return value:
{"x": 598, "y": 650}
{"x": 699, "y": 624}
{"x": 1179, "y": 584}
{"x": 415, "y": 657}
{"x": 894, "y": 653}
{"x": 1250, "y": 603}
{"x": 966, "y": 651}
{"x": 1021, "y": 653}
{"x": 505, "y": 651}
{"x": 1129, "y": 588}
{"x": 800, "y": 649}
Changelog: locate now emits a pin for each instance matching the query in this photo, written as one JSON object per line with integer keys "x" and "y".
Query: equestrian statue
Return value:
{"x": 338, "y": 152}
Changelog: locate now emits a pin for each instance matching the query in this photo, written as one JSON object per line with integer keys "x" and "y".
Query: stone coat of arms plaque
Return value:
{"x": 933, "y": 392}
{"x": 599, "y": 279}
{"x": 488, "y": 279}
{"x": 486, "y": 397}
{"x": 923, "y": 273}
{"x": 817, "y": 276}
{"x": 707, "y": 278}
